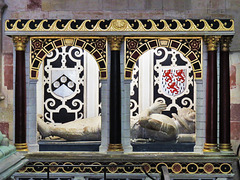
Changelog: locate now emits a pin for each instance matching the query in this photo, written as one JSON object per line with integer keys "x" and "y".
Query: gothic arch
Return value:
{"x": 95, "y": 46}
{"x": 137, "y": 49}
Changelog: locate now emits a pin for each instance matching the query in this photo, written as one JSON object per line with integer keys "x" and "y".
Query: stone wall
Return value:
{"x": 118, "y": 9}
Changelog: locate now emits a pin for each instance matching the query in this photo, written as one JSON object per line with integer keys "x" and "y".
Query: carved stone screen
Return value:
{"x": 162, "y": 91}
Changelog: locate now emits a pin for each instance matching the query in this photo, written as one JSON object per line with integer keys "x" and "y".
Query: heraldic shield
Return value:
{"x": 63, "y": 82}
{"x": 173, "y": 80}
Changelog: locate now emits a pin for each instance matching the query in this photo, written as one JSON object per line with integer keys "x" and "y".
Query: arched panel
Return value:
{"x": 40, "y": 47}
{"x": 191, "y": 48}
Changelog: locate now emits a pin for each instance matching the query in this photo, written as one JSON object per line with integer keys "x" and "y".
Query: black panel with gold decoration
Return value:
{"x": 190, "y": 47}
{"x": 121, "y": 167}
{"x": 41, "y": 46}
{"x": 179, "y": 25}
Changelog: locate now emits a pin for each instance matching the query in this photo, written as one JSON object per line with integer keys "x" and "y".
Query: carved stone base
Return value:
{"x": 115, "y": 147}
{"x": 210, "y": 147}
{"x": 21, "y": 146}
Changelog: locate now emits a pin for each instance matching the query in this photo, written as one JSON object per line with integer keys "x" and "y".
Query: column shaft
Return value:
{"x": 20, "y": 94}
{"x": 211, "y": 97}
{"x": 224, "y": 120}
{"x": 115, "y": 99}
{"x": 115, "y": 95}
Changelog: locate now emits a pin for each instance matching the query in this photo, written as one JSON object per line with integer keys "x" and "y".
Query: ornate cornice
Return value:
{"x": 20, "y": 42}
{"x": 143, "y": 25}
{"x": 115, "y": 42}
{"x": 225, "y": 43}
{"x": 212, "y": 42}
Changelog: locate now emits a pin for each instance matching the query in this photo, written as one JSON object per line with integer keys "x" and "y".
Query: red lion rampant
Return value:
{"x": 168, "y": 75}
{"x": 173, "y": 87}
{"x": 180, "y": 75}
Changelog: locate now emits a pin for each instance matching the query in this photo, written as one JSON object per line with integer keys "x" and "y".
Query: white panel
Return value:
{"x": 145, "y": 80}
{"x": 40, "y": 88}
{"x": 92, "y": 86}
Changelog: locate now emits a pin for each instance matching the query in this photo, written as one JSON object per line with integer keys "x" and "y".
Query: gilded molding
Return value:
{"x": 119, "y": 25}
{"x": 115, "y": 147}
{"x": 225, "y": 43}
{"x": 115, "y": 42}
{"x": 212, "y": 42}
{"x": 225, "y": 147}
{"x": 21, "y": 146}
{"x": 20, "y": 42}
{"x": 208, "y": 147}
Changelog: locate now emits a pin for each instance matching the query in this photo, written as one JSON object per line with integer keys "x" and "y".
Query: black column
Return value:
{"x": 20, "y": 94}
{"x": 224, "y": 111}
{"x": 115, "y": 95}
{"x": 211, "y": 96}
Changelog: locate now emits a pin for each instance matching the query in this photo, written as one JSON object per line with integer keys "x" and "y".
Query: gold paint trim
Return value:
{"x": 176, "y": 172}
{"x": 225, "y": 147}
{"x": 230, "y": 168}
{"x": 69, "y": 39}
{"x": 194, "y": 171}
{"x": 21, "y": 146}
{"x": 115, "y": 147}
{"x": 208, "y": 147}
{"x": 119, "y": 25}
{"x": 169, "y": 43}
{"x": 208, "y": 164}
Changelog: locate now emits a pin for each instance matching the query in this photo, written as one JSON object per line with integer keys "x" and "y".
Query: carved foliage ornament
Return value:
{"x": 212, "y": 42}
{"x": 20, "y": 42}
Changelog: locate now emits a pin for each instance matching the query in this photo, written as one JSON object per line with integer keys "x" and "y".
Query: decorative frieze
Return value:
{"x": 152, "y": 25}
{"x": 186, "y": 168}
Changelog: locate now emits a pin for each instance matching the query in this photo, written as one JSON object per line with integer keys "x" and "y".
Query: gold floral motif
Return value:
{"x": 212, "y": 42}
{"x": 20, "y": 42}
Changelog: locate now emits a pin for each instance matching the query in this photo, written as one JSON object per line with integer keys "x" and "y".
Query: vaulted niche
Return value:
{"x": 163, "y": 93}
{"x": 68, "y": 96}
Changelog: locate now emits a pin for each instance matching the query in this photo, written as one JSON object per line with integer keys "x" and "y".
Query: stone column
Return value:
{"x": 115, "y": 95}
{"x": 20, "y": 93}
{"x": 224, "y": 120}
{"x": 211, "y": 95}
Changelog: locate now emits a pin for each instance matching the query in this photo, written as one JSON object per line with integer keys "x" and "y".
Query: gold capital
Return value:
{"x": 212, "y": 42}
{"x": 225, "y": 43}
{"x": 20, "y": 42}
{"x": 115, "y": 42}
